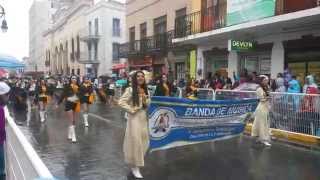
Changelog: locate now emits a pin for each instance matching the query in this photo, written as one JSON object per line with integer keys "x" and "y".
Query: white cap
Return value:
{"x": 4, "y": 88}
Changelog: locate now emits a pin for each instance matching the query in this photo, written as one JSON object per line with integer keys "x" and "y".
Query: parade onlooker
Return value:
{"x": 4, "y": 97}
{"x": 163, "y": 87}
{"x": 279, "y": 82}
{"x": 294, "y": 85}
{"x": 260, "y": 128}
{"x": 135, "y": 101}
{"x": 310, "y": 87}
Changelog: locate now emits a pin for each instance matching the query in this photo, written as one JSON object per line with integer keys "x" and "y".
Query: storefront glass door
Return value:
{"x": 298, "y": 69}
{"x": 314, "y": 69}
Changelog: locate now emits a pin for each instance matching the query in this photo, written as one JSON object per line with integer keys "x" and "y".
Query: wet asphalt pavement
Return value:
{"x": 98, "y": 153}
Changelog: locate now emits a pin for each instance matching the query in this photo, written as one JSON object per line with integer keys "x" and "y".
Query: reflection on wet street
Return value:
{"x": 98, "y": 153}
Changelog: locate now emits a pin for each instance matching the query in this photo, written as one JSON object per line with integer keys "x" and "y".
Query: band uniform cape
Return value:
{"x": 261, "y": 124}
{"x": 136, "y": 140}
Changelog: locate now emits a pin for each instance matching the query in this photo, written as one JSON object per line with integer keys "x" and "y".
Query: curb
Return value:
{"x": 291, "y": 137}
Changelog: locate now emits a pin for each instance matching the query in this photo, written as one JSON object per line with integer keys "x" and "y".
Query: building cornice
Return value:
{"x": 141, "y": 8}
{"x": 65, "y": 19}
{"x": 110, "y": 5}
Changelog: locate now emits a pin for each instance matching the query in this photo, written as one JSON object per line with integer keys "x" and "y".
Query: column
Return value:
{"x": 233, "y": 64}
{"x": 200, "y": 63}
{"x": 277, "y": 59}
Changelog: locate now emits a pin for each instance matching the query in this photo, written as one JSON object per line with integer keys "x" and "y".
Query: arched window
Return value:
{"x": 78, "y": 47}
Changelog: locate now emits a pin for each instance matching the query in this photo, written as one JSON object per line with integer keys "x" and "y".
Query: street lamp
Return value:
{"x": 4, "y": 25}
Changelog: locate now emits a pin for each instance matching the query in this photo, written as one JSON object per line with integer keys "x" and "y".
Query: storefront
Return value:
{"x": 118, "y": 69}
{"x": 216, "y": 61}
{"x": 257, "y": 60}
{"x": 302, "y": 57}
{"x": 141, "y": 63}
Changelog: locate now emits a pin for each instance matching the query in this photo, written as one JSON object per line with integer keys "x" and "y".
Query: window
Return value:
{"x": 78, "y": 47}
{"x": 116, "y": 27}
{"x": 143, "y": 30}
{"x": 160, "y": 25}
{"x": 96, "y": 26}
{"x": 78, "y": 71}
{"x": 181, "y": 12}
{"x": 90, "y": 28}
{"x": 115, "y": 51}
{"x": 132, "y": 35}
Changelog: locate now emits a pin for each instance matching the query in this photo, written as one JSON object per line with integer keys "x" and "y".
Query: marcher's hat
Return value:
{"x": 4, "y": 88}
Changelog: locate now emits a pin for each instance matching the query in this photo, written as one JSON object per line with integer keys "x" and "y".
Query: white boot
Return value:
{"x": 73, "y": 134}
{"x": 85, "y": 120}
{"x": 42, "y": 118}
{"x": 70, "y": 132}
{"x": 136, "y": 173}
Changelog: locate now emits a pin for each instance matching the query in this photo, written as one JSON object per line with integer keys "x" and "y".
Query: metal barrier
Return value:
{"x": 22, "y": 161}
{"x": 206, "y": 93}
{"x": 295, "y": 112}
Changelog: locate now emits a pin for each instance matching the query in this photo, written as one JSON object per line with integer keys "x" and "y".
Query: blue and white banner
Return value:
{"x": 178, "y": 121}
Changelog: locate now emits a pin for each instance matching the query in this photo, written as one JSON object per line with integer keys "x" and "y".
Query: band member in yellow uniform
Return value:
{"x": 72, "y": 105}
{"x": 42, "y": 97}
{"x": 86, "y": 98}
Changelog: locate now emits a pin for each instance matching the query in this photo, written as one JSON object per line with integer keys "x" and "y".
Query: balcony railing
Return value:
{"x": 87, "y": 34}
{"x": 215, "y": 17}
{"x": 88, "y": 57}
{"x": 153, "y": 44}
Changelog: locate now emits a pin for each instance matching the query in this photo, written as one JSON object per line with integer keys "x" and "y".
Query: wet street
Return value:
{"x": 98, "y": 153}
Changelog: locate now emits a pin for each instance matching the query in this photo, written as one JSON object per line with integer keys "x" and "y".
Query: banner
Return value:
{"x": 179, "y": 121}
{"x": 240, "y": 11}
{"x": 193, "y": 64}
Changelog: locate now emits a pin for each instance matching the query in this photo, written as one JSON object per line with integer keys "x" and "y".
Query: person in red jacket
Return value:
{"x": 309, "y": 105}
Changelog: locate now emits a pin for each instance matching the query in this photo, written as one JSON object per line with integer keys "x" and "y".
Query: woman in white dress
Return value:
{"x": 261, "y": 125}
{"x": 135, "y": 101}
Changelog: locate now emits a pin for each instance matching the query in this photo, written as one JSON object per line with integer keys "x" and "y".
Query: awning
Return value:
{"x": 10, "y": 62}
{"x": 119, "y": 66}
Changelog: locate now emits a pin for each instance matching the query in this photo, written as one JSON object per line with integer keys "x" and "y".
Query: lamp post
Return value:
{"x": 4, "y": 25}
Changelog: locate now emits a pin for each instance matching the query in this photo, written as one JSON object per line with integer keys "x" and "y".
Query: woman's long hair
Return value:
{"x": 265, "y": 88}
{"x": 135, "y": 92}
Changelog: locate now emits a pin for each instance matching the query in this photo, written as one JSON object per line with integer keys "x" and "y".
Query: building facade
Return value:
{"x": 150, "y": 29}
{"x": 39, "y": 21}
{"x": 283, "y": 34}
{"x": 80, "y": 39}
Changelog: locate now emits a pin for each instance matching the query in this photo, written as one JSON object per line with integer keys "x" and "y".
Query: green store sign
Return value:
{"x": 236, "y": 45}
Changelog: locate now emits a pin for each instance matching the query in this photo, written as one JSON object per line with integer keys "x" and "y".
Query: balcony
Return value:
{"x": 215, "y": 17}
{"x": 159, "y": 43}
{"x": 88, "y": 58}
{"x": 86, "y": 34}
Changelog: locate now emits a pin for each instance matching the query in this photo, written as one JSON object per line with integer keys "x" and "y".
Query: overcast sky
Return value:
{"x": 16, "y": 41}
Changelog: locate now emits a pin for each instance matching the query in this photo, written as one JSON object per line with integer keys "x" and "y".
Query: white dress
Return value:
{"x": 261, "y": 123}
{"x": 136, "y": 140}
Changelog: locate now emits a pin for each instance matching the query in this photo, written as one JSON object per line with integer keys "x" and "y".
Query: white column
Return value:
{"x": 277, "y": 59}
{"x": 233, "y": 64}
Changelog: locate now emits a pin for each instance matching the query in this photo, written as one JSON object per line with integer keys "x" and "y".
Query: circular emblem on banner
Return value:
{"x": 160, "y": 123}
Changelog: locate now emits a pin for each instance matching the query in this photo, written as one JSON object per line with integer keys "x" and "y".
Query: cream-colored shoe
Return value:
{"x": 136, "y": 173}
